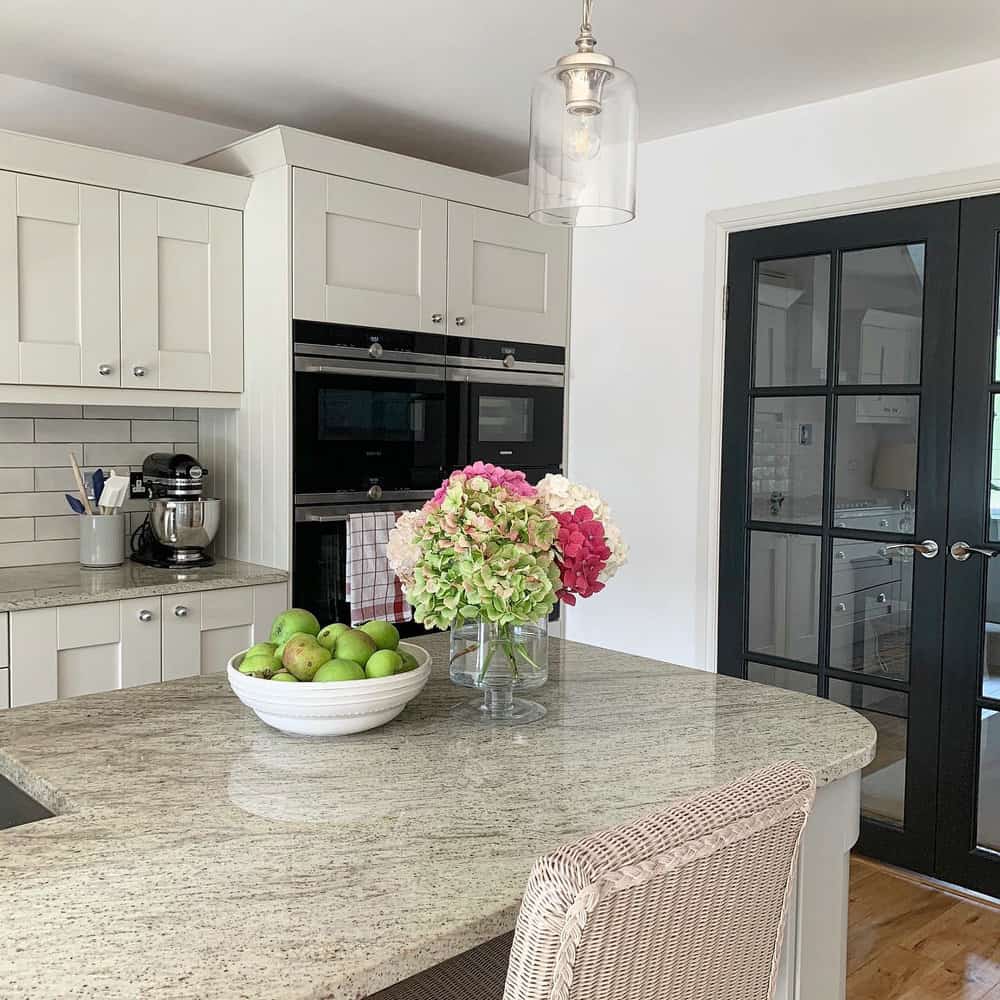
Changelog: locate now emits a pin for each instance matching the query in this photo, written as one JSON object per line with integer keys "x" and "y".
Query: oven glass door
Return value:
{"x": 354, "y": 428}
{"x": 517, "y": 426}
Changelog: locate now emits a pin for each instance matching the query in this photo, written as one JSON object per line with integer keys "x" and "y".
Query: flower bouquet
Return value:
{"x": 488, "y": 556}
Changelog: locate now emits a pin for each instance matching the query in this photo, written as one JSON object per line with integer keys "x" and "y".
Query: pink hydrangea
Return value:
{"x": 512, "y": 481}
{"x": 582, "y": 553}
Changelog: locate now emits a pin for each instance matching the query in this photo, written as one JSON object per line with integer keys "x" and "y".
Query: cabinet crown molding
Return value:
{"x": 283, "y": 146}
{"x": 33, "y": 154}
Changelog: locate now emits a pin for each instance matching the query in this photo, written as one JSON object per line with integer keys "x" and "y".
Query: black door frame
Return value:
{"x": 937, "y": 227}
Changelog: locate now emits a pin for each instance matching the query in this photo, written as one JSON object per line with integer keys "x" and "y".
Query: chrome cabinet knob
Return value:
{"x": 104, "y": 369}
{"x": 375, "y": 492}
{"x": 928, "y": 548}
{"x": 138, "y": 371}
{"x": 881, "y": 599}
{"x": 883, "y": 523}
{"x": 960, "y": 551}
{"x": 841, "y": 606}
{"x": 459, "y": 321}
{"x": 509, "y": 361}
{"x": 145, "y": 616}
{"x": 180, "y": 611}
{"x": 437, "y": 317}
{"x": 841, "y": 555}
{"x": 376, "y": 350}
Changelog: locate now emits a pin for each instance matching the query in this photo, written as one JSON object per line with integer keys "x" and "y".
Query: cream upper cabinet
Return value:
{"x": 58, "y": 283}
{"x": 367, "y": 255}
{"x": 181, "y": 295}
{"x": 508, "y": 277}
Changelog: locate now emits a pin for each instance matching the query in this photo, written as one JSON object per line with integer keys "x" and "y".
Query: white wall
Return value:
{"x": 57, "y": 113}
{"x": 642, "y": 364}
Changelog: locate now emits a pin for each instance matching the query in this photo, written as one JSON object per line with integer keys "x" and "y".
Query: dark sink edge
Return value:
{"x": 47, "y": 795}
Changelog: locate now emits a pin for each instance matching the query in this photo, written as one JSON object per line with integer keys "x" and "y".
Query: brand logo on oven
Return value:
{"x": 373, "y": 454}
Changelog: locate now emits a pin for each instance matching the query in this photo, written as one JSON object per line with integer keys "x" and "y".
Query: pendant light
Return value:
{"x": 584, "y": 120}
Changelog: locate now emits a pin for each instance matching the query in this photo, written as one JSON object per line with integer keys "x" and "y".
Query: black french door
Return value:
{"x": 836, "y": 448}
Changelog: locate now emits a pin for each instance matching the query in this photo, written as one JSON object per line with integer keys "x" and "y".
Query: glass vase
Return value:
{"x": 500, "y": 660}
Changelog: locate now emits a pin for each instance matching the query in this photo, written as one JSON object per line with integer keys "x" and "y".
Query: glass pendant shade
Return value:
{"x": 584, "y": 123}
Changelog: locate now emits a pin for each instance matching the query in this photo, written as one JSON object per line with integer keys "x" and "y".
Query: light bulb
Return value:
{"x": 583, "y": 137}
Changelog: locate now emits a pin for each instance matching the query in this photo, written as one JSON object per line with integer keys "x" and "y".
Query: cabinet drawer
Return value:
{"x": 225, "y": 608}
{"x": 88, "y": 625}
{"x": 4, "y": 689}
{"x": 865, "y": 605}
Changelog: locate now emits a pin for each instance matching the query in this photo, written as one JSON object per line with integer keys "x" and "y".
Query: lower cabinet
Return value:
{"x": 86, "y": 648}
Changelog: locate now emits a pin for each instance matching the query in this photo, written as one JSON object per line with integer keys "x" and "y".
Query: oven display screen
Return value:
{"x": 506, "y": 418}
{"x": 353, "y": 414}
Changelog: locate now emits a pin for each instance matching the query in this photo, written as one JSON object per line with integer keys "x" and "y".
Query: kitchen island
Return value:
{"x": 197, "y": 853}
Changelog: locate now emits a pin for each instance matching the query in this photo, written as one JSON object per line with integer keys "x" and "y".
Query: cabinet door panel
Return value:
{"x": 223, "y": 608}
{"x": 88, "y": 625}
{"x": 58, "y": 282}
{"x": 219, "y": 644}
{"x": 140, "y": 641}
{"x": 88, "y": 670}
{"x": 181, "y": 636}
{"x": 182, "y": 309}
{"x": 366, "y": 254}
{"x": 34, "y": 669}
{"x": 508, "y": 277}
{"x": 269, "y": 600}
{"x": 4, "y": 689}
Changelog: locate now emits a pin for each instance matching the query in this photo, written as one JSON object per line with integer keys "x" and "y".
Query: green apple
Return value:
{"x": 409, "y": 662}
{"x": 354, "y": 645}
{"x": 304, "y": 656}
{"x": 385, "y": 634}
{"x": 262, "y": 647}
{"x": 260, "y": 665}
{"x": 339, "y": 670}
{"x": 383, "y": 663}
{"x": 291, "y": 621}
{"x": 328, "y": 636}
{"x": 284, "y": 675}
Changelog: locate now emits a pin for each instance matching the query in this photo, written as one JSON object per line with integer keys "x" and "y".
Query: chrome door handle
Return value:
{"x": 960, "y": 551}
{"x": 459, "y": 321}
{"x": 180, "y": 611}
{"x": 928, "y": 548}
{"x": 138, "y": 371}
{"x": 436, "y": 317}
{"x": 104, "y": 369}
{"x": 145, "y": 616}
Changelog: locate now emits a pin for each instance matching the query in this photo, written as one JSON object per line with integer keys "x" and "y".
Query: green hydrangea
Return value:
{"x": 484, "y": 553}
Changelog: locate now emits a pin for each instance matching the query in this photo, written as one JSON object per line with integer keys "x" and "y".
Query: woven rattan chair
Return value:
{"x": 686, "y": 904}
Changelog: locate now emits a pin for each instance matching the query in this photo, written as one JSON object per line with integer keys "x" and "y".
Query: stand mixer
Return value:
{"x": 181, "y": 524}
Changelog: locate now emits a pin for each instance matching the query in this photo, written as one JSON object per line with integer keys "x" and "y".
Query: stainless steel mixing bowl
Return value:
{"x": 186, "y": 526}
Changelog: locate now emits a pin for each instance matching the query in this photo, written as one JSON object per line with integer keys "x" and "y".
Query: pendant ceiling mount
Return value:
{"x": 584, "y": 124}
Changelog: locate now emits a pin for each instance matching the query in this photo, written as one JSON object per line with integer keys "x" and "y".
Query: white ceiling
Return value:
{"x": 448, "y": 80}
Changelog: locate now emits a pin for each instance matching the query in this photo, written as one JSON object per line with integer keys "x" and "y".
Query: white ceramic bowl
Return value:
{"x": 333, "y": 708}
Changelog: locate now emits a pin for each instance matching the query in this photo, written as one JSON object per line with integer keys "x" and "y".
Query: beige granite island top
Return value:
{"x": 200, "y": 854}
{"x": 26, "y": 587}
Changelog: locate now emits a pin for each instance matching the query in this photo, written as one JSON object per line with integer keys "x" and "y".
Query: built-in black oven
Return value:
{"x": 505, "y": 404}
{"x": 370, "y": 413}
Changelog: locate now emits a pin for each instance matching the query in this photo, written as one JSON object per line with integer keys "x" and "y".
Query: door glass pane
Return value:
{"x": 506, "y": 418}
{"x": 994, "y": 492}
{"x": 875, "y": 479}
{"x": 883, "y": 781}
{"x": 988, "y": 806}
{"x": 793, "y": 314}
{"x": 881, "y": 315}
{"x": 786, "y": 480}
{"x": 991, "y": 626}
{"x": 790, "y": 680}
{"x": 871, "y": 596}
{"x": 784, "y": 595}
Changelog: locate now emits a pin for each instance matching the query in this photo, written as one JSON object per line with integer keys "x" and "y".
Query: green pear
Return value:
{"x": 304, "y": 657}
{"x": 409, "y": 661}
{"x": 385, "y": 634}
{"x": 354, "y": 645}
{"x": 284, "y": 675}
{"x": 328, "y": 636}
{"x": 279, "y": 652}
{"x": 260, "y": 665}
{"x": 383, "y": 663}
{"x": 339, "y": 670}
{"x": 262, "y": 647}
{"x": 291, "y": 621}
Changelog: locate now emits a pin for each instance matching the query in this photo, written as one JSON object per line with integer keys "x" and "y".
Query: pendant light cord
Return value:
{"x": 585, "y": 41}
{"x": 585, "y": 24}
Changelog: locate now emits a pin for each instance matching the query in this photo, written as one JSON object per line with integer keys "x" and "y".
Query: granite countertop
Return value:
{"x": 198, "y": 853}
{"x": 26, "y": 587}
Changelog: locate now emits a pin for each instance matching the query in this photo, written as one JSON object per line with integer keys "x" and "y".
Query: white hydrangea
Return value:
{"x": 560, "y": 494}
{"x": 402, "y": 550}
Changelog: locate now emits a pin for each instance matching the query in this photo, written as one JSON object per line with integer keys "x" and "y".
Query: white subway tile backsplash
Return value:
{"x": 164, "y": 430}
{"x": 16, "y": 429}
{"x": 17, "y": 480}
{"x": 106, "y": 455}
{"x": 16, "y": 529}
{"x": 35, "y": 456}
{"x": 36, "y": 526}
{"x": 80, "y": 430}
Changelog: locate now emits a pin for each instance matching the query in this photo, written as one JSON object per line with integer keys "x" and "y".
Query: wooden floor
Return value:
{"x": 911, "y": 941}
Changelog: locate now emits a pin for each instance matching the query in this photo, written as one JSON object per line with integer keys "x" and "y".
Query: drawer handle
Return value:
{"x": 436, "y": 317}
{"x": 145, "y": 616}
{"x": 841, "y": 555}
{"x": 138, "y": 371}
{"x": 181, "y": 611}
{"x": 881, "y": 598}
{"x": 883, "y": 523}
{"x": 841, "y": 606}
{"x": 104, "y": 369}
{"x": 459, "y": 321}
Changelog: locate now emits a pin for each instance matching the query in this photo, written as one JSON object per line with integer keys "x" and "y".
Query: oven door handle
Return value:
{"x": 315, "y": 366}
{"x": 323, "y": 518}
{"x": 498, "y": 378}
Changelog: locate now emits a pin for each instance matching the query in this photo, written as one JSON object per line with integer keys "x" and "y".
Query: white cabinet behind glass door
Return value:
{"x": 508, "y": 277}
{"x": 182, "y": 295}
{"x": 367, "y": 255}
{"x": 58, "y": 282}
